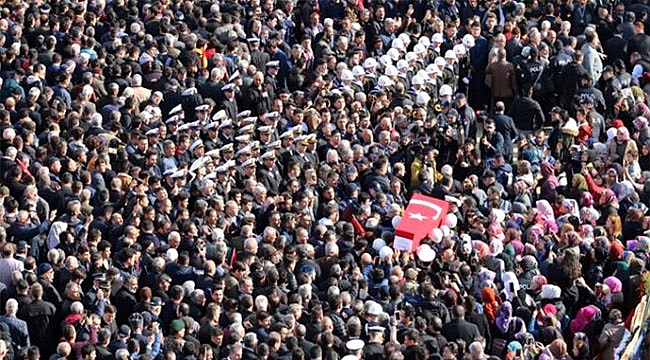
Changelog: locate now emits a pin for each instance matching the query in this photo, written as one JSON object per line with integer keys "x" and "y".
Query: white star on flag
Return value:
{"x": 417, "y": 216}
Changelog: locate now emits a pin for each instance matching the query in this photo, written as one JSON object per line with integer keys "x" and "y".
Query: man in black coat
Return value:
{"x": 506, "y": 127}
{"x": 229, "y": 103}
{"x": 459, "y": 328}
{"x": 413, "y": 350}
{"x": 40, "y": 317}
{"x": 257, "y": 97}
{"x": 125, "y": 300}
{"x": 640, "y": 42}
{"x": 526, "y": 112}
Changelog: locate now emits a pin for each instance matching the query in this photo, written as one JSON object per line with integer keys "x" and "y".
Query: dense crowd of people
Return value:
{"x": 223, "y": 180}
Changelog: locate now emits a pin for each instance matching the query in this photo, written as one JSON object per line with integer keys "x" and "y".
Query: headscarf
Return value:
{"x": 640, "y": 123}
{"x": 580, "y": 182}
{"x": 548, "y": 173}
{"x": 585, "y": 315}
{"x": 490, "y": 303}
{"x": 609, "y": 198}
{"x": 644, "y": 243}
{"x": 481, "y": 248}
{"x": 615, "y": 285}
{"x": 558, "y": 349}
{"x": 496, "y": 247}
{"x": 505, "y": 317}
{"x": 510, "y": 281}
{"x": 545, "y": 209}
{"x": 516, "y": 243}
{"x": 615, "y": 250}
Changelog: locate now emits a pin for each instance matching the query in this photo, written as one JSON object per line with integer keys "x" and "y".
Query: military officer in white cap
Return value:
{"x": 268, "y": 173}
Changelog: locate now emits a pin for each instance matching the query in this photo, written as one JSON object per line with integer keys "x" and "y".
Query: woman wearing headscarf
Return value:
{"x": 595, "y": 183}
{"x": 620, "y": 145}
{"x": 507, "y": 326}
{"x": 555, "y": 351}
{"x": 490, "y": 303}
{"x": 644, "y": 155}
{"x": 588, "y": 321}
{"x": 577, "y": 188}
{"x": 614, "y": 298}
{"x": 548, "y": 183}
{"x": 607, "y": 205}
{"x": 641, "y": 130}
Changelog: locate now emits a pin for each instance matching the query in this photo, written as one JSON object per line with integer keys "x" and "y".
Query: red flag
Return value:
{"x": 422, "y": 214}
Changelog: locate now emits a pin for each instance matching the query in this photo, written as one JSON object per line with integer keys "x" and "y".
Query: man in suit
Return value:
{"x": 103, "y": 339}
{"x": 640, "y": 42}
{"x": 17, "y": 328}
{"x": 258, "y": 58}
{"x": 229, "y": 102}
{"x": 506, "y": 127}
{"x": 459, "y": 328}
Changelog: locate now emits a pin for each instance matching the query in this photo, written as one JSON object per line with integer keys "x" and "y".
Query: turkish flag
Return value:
{"x": 422, "y": 214}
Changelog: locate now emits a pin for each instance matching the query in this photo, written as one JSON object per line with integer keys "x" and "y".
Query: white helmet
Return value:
{"x": 347, "y": 75}
{"x": 391, "y": 71}
{"x": 424, "y": 41}
{"x": 397, "y": 44}
{"x": 396, "y": 221}
{"x": 370, "y": 63}
{"x": 417, "y": 80}
{"x": 420, "y": 49}
{"x": 405, "y": 38}
{"x": 426, "y": 253}
{"x": 384, "y": 81}
{"x": 450, "y": 54}
{"x": 385, "y": 252}
{"x": 468, "y": 41}
{"x": 436, "y": 38}
{"x": 445, "y": 90}
{"x": 393, "y": 54}
{"x": 423, "y": 98}
{"x": 460, "y": 50}
{"x": 436, "y": 235}
{"x": 385, "y": 60}
{"x": 378, "y": 244}
{"x": 451, "y": 220}
{"x": 445, "y": 230}
{"x": 358, "y": 71}
{"x": 440, "y": 61}
{"x": 433, "y": 69}
{"x": 411, "y": 56}
{"x": 401, "y": 64}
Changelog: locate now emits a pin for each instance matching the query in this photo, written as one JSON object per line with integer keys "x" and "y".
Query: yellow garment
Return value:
{"x": 416, "y": 166}
{"x": 202, "y": 57}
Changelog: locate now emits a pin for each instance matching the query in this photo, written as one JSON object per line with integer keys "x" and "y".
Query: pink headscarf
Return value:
{"x": 482, "y": 248}
{"x": 545, "y": 209}
{"x": 584, "y": 317}
{"x": 518, "y": 246}
{"x": 615, "y": 285}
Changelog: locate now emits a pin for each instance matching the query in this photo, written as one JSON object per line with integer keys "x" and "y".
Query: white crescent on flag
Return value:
{"x": 432, "y": 206}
